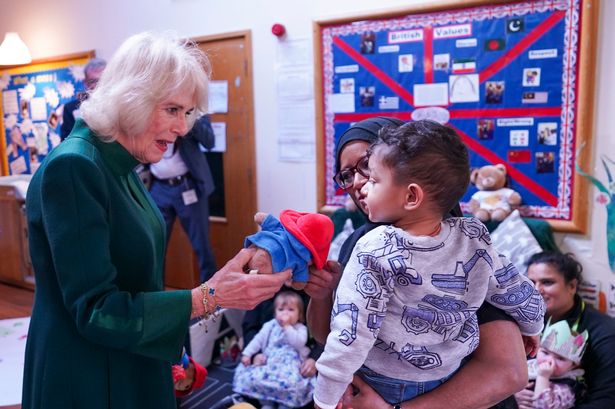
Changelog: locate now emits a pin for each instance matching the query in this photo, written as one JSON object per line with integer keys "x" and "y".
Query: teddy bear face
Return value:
{"x": 490, "y": 177}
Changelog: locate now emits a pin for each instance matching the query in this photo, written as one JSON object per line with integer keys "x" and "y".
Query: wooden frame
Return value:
{"x": 50, "y": 66}
{"x": 561, "y": 200}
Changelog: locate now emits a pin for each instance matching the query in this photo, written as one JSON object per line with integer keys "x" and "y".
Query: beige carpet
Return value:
{"x": 13, "y": 333}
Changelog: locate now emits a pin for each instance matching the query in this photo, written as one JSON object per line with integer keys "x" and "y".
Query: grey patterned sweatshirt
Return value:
{"x": 406, "y": 306}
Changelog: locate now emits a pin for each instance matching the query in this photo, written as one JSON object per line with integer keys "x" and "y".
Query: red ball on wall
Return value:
{"x": 278, "y": 30}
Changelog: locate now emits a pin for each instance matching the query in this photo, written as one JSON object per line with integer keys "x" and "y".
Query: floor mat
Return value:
{"x": 13, "y": 334}
{"x": 215, "y": 394}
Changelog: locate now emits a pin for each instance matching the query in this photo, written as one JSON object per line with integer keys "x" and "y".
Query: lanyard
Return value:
{"x": 575, "y": 326}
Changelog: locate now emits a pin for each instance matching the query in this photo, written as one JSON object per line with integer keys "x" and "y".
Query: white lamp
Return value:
{"x": 14, "y": 51}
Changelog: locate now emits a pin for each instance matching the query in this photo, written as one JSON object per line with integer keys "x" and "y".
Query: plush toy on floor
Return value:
{"x": 295, "y": 241}
{"x": 188, "y": 375}
{"x": 493, "y": 201}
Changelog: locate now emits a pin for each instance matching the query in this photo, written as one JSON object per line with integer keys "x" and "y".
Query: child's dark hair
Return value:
{"x": 288, "y": 297}
{"x": 565, "y": 264}
{"x": 430, "y": 154}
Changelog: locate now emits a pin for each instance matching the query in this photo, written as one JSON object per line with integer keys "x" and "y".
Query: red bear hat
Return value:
{"x": 313, "y": 230}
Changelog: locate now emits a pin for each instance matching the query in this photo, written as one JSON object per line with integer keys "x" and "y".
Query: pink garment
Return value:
{"x": 558, "y": 396}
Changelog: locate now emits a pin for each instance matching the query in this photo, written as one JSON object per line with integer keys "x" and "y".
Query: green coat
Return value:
{"x": 103, "y": 332}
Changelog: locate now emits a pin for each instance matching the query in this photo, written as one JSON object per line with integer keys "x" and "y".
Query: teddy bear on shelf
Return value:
{"x": 493, "y": 201}
{"x": 295, "y": 241}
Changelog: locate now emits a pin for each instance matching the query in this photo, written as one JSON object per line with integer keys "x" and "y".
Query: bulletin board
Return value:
{"x": 33, "y": 98}
{"x": 514, "y": 79}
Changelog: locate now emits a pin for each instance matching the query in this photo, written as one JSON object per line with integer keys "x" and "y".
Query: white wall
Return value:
{"x": 56, "y": 27}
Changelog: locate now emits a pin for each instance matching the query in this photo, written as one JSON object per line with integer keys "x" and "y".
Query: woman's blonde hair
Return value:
{"x": 147, "y": 68}
{"x": 290, "y": 297}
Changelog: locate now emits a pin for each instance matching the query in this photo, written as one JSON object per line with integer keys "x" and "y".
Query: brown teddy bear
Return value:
{"x": 493, "y": 201}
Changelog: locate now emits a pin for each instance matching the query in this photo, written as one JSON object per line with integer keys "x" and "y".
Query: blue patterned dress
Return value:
{"x": 279, "y": 380}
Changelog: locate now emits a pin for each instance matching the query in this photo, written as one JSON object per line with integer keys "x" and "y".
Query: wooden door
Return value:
{"x": 231, "y": 59}
{"x": 233, "y": 203}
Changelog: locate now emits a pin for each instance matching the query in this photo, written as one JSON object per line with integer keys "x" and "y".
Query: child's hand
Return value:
{"x": 531, "y": 344}
{"x": 283, "y": 318}
{"x": 546, "y": 367}
{"x": 246, "y": 360}
{"x": 259, "y": 359}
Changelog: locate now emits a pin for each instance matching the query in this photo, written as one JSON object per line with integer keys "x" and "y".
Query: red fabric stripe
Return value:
{"x": 518, "y": 48}
{"x": 404, "y": 116}
{"x": 504, "y": 112}
{"x": 524, "y": 180}
{"x": 428, "y": 58}
{"x": 463, "y": 71}
{"x": 375, "y": 71}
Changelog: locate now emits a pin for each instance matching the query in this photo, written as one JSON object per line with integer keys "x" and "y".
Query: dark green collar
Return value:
{"x": 115, "y": 155}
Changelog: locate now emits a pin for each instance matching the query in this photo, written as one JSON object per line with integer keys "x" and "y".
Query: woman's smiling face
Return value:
{"x": 552, "y": 286}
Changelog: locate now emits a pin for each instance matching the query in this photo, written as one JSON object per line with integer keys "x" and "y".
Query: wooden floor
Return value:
{"x": 15, "y": 302}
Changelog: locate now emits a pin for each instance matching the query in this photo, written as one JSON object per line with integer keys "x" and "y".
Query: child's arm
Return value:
{"x": 515, "y": 294}
{"x": 545, "y": 370}
{"x": 350, "y": 339}
{"x": 258, "y": 342}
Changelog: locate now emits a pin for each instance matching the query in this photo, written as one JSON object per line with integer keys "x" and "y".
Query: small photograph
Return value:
{"x": 347, "y": 85}
{"x": 441, "y": 62}
{"x": 494, "y": 92}
{"x": 367, "y": 96}
{"x": 547, "y": 133}
{"x": 24, "y": 109}
{"x": 545, "y": 162}
{"x": 405, "y": 63}
{"x": 53, "y": 119}
{"x": 368, "y": 42}
{"x": 17, "y": 142}
{"x": 485, "y": 128}
{"x": 531, "y": 77}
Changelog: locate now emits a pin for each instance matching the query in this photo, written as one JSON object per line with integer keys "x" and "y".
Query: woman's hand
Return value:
{"x": 322, "y": 283}
{"x": 246, "y": 360}
{"x": 308, "y": 368}
{"x": 236, "y": 289}
{"x": 531, "y": 343}
{"x": 525, "y": 397}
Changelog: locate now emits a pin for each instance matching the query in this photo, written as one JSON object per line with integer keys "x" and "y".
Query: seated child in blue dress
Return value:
{"x": 270, "y": 368}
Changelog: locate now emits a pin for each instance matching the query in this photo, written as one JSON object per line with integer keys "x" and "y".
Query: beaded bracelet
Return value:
{"x": 208, "y": 292}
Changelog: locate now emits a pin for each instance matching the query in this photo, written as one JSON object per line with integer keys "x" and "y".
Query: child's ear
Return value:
{"x": 414, "y": 196}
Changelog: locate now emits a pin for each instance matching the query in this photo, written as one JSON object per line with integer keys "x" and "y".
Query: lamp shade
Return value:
{"x": 13, "y": 51}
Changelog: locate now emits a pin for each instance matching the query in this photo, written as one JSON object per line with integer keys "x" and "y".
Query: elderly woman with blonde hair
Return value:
{"x": 103, "y": 332}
